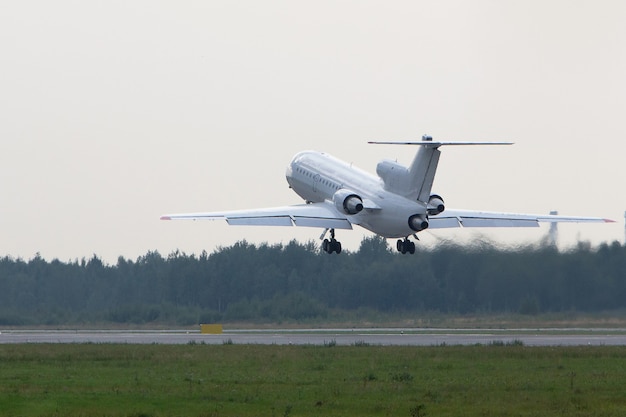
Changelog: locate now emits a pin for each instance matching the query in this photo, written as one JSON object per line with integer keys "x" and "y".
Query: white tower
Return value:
{"x": 554, "y": 233}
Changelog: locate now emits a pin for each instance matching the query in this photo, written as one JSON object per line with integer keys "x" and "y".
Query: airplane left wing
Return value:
{"x": 469, "y": 218}
{"x": 321, "y": 215}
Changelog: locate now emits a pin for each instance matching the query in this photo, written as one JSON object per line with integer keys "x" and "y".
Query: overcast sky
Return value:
{"x": 115, "y": 112}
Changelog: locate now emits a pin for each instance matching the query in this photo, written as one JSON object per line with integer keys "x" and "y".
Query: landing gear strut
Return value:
{"x": 405, "y": 246}
{"x": 332, "y": 245}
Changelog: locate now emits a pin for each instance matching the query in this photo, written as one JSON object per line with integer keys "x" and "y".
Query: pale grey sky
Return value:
{"x": 114, "y": 112}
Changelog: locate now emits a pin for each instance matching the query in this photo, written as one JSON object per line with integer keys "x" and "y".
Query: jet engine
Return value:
{"x": 418, "y": 222}
{"x": 435, "y": 205}
{"x": 348, "y": 202}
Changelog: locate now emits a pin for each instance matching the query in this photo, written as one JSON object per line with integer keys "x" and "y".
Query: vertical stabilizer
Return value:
{"x": 422, "y": 173}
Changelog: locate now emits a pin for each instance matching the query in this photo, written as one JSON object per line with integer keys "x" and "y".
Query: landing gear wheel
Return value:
{"x": 404, "y": 246}
{"x": 332, "y": 245}
{"x": 411, "y": 248}
{"x": 337, "y": 247}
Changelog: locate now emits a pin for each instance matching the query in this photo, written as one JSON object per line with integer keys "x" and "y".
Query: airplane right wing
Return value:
{"x": 469, "y": 218}
{"x": 321, "y": 215}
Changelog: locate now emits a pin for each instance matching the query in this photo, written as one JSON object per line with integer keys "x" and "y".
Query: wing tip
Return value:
{"x": 166, "y": 218}
{"x": 608, "y": 220}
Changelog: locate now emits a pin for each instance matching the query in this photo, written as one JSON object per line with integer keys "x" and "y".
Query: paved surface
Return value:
{"x": 398, "y": 337}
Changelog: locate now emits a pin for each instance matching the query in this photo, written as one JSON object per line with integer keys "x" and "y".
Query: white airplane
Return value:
{"x": 395, "y": 203}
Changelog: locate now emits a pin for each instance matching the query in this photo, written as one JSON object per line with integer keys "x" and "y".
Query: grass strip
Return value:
{"x": 260, "y": 380}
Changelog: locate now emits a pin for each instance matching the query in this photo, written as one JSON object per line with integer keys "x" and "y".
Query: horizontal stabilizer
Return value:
{"x": 437, "y": 144}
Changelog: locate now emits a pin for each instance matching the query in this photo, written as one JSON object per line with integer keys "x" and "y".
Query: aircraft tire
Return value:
{"x": 411, "y": 249}
{"x": 405, "y": 246}
{"x": 337, "y": 247}
{"x": 330, "y": 246}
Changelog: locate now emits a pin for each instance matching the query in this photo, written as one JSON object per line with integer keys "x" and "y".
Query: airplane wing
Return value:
{"x": 321, "y": 215}
{"x": 469, "y": 218}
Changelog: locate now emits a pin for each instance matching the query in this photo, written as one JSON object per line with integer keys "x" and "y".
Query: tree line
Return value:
{"x": 246, "y": 282}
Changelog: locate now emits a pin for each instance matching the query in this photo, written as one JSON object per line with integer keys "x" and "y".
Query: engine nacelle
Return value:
{"x": 394, "y": 176}
{"x": 348, "y": 202}
{"x": 418, "y": 222}
{"x": 435, "y": 205}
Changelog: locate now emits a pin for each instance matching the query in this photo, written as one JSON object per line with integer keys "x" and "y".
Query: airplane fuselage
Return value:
{"x": 318, "y": 177}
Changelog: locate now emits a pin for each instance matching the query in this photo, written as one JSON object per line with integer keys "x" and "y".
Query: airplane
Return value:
{"x": 396, "y": 203}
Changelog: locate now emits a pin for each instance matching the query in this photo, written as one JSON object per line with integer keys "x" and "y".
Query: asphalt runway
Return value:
{"x": 342, "y": 337}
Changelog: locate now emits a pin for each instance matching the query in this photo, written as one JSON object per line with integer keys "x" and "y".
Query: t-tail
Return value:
{"x": 416, "y": 181}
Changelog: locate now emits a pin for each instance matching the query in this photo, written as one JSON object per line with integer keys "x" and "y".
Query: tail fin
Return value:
{"x": 422, "y": 172}
{"x": 420, "y": 175}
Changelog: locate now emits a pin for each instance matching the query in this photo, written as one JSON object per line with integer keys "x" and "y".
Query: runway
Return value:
{"x": 339, "y": 337}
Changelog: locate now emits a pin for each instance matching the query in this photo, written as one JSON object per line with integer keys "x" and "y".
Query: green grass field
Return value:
{"x": 254, "y": 380}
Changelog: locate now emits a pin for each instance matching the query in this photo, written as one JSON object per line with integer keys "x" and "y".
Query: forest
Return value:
{"x": 297, "y": 282}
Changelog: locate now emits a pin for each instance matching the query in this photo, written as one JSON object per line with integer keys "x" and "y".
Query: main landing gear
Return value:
{"x": 332, "y": 245}
{"x": 405, "y": 246}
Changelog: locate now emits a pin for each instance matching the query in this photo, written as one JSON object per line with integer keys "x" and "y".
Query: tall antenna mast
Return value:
{"x": 554, "y": 232}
